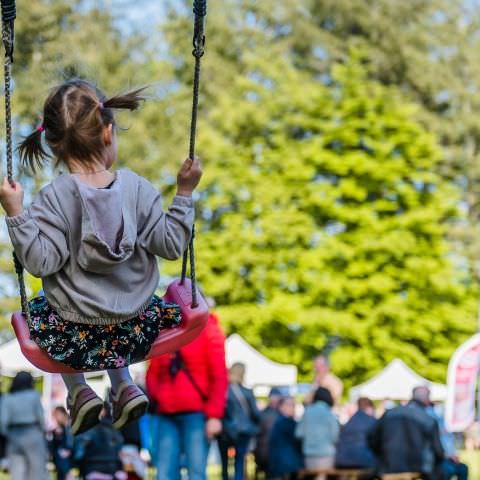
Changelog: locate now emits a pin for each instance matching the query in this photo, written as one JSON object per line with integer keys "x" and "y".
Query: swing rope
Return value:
{"x": 8, "y": 9}
{"x": 200, "y": 11}
{"x": 8, "y": 37}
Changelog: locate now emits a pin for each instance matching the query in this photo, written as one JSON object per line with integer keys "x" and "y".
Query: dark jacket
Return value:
{"x": 407, "y": 439}
{"x": 267, "y": 419}
{"x": 61, "y": 448}
{"x": 353, "y": 449}
{"x": 131, "y": 434}
{"x": 98, "y": 450}
{"x": 285, "y": 450}
{"x": 241, "y": 415}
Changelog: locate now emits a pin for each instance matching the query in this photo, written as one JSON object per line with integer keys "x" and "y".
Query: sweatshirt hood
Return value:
{"x": 106, "y": 239}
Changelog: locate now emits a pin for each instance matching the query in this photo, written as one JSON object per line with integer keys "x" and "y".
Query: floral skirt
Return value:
{"x": 100, "y": 347}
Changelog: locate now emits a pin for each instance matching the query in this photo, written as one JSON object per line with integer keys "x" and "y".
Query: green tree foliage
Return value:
{"x": 427, "y": 48}
{"x": 323, "y": 216}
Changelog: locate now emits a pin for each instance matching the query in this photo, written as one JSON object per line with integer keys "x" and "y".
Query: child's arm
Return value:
{"x": 38, "y": 234}
{"x": 166, "y": 234}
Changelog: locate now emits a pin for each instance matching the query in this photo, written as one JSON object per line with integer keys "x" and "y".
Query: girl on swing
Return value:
{"x": 93, "y": 235}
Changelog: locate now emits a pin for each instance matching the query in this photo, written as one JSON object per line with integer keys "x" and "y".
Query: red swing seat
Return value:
{"x": 168, "y": 341}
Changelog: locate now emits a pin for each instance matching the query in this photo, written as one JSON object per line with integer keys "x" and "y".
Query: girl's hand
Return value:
{"x": 11, "y": 198}
{"x": 189, "y": 177}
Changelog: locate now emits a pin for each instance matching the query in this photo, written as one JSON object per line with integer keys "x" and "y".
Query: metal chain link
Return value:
{"x": 22, "y": 288}
{"x": 8, "y": 38}
{"x": 8, "y": 120}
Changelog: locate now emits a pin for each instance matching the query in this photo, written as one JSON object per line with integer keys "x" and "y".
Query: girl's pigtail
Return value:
{"x": 32, "y": 153}
{"x": 126, "y": 101}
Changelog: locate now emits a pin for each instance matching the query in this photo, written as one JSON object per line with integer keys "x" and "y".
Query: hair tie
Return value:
{"x": 41, "y": 128}
{"x": 100, "y": 104}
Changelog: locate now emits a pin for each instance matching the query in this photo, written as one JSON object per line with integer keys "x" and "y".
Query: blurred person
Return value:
{"x": 323, "y": 377}
{"x": 189, "y": 391}
{"x": 451, "y": 467}
{"x": 97, "y": 451}
{"x": 472, "y": 436}
{"x": 240, "y": 424}
{"x": 61, "y": 443}
{"x": 268, "y": 416}
{"x": 285, "y": 451}
{"x": 22, "y": 422}
{"x": 130, "y": 454}
{"x": 407, "y": 438}
{"x": 318, "y": 430}
{"x": 353, "y": 450}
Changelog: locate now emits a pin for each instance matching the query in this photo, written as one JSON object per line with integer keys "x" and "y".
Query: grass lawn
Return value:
{"x": 472, "y": 459}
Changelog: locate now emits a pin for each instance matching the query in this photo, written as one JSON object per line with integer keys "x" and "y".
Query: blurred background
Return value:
{"x": 340, "y": 141}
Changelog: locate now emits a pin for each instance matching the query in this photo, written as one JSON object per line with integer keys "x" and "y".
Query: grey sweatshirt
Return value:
{"x": 95, "y": 248}
{"x": 318, "y": 430}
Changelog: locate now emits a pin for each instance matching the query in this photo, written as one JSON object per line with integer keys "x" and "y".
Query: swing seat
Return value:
{"x": 168, "y": 341}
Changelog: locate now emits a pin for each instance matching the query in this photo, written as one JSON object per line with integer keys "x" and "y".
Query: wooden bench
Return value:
{"x": 344, "y": 473}
{"x": 402, "y": 476}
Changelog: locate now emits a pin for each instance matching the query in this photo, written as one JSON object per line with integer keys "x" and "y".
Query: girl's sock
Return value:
{"x": 73, "y": 379}
{"x": 118, "y": 376}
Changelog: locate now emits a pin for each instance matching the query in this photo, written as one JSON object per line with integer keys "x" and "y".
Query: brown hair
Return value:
{"x": 363, "y": 403}
{"x": 74, "y": 116}
{"x": 236, "y": 373}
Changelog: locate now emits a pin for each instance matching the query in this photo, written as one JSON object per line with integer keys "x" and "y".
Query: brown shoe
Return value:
{"x": 128, "y": 404}
{"x": 84, "y": 406}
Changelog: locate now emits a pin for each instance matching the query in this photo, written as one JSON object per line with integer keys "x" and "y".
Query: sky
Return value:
{"x": 141, "y": 13}
{"x": 134, "y": 15}
{"x": 142, "y": 10}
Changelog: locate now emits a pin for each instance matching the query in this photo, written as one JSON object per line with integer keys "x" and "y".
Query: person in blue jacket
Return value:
{"x": 285, "y": 450}
{"x": 318, "y": 430}
{"x": 353, "y": 450}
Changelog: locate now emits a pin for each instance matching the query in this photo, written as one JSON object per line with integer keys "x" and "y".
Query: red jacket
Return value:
{"x": 205, "y": 360}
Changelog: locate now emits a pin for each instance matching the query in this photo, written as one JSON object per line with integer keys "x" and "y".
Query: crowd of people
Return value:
{"x": 102, "y": 453}
{"x": 195, "y": 401}
{"x": 409, "y": 437}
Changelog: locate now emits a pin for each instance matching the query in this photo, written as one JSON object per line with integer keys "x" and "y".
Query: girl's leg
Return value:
{"x": 83, "y": 403}
{"x": 119, "y": 376}
{"x": 129, "y": 403}
{"x": 73, "y": 379}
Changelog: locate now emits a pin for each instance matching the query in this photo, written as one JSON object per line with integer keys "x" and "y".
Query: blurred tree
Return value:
{"x": 323, "y": 214}
{"x": 430, "y": 49}
{"x": 427, "y": 49}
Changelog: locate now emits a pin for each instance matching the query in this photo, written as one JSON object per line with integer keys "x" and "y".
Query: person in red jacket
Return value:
{"x": 189, "y": 391}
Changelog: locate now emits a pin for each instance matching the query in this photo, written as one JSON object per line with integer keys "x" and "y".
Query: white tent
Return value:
{"x": 396, "y": 382}
{"x": 260, "y": 371}
{"x": 12, "y": 360}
